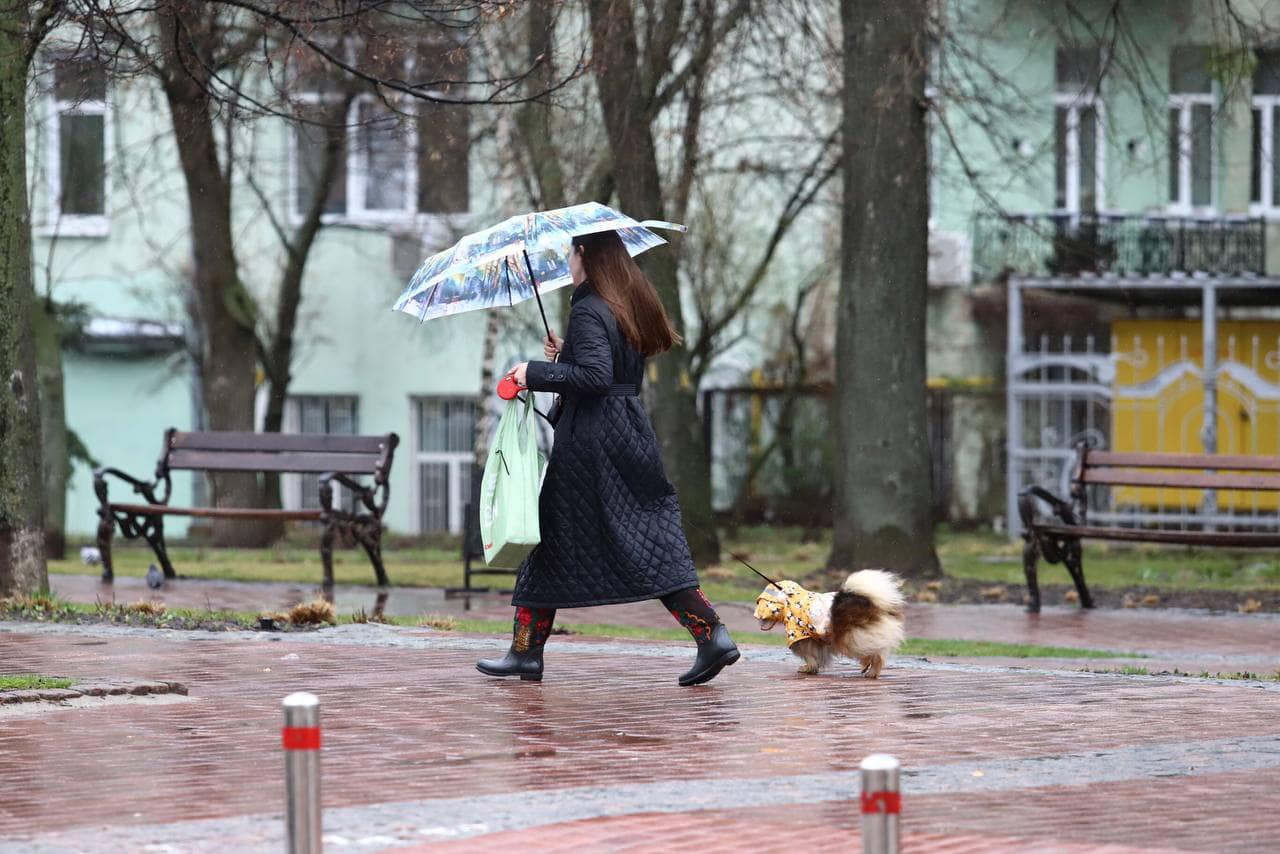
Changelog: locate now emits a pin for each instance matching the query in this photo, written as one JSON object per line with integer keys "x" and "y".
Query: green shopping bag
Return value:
{"x": 509, "y": 488}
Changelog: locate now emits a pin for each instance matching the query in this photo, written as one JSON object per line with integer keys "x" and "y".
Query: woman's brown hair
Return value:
{"x": 620, "y": 283}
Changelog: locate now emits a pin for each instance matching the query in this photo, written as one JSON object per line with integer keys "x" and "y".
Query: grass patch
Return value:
{"x": 945, "y": 648}
{"x": 780, "y": 552}
{"x": 986, "y": 557}
{"x": 31, "y": 682}
{"x": 1243, "y": 675}
{"x": 410, "y": 567}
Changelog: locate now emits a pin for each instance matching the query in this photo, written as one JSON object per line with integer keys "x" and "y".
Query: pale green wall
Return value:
{"x": 1016, "y": 42}
{"x": 120, "y": 408}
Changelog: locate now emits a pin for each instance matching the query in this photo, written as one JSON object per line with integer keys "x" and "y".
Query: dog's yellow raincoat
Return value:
{"x": 803, "y": 613}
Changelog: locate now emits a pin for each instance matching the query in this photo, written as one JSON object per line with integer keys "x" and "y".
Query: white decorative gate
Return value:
{"x": 1186, "y": 389}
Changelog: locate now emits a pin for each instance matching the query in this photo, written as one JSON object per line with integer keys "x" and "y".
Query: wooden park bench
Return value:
{"x": 334, "y": 458}
{"x": 1057, "y": 538}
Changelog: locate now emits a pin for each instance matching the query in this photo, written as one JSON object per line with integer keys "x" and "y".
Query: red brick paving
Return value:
{"x": 404, "y": 725}
{"x": 780, "y": 830}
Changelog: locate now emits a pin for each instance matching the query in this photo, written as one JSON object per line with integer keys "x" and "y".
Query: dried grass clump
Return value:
{"x": 926, "y": 596}
{"x": 1128, "y": 601}
{"x": 934, "y": 585}
{"x": 1071, "y": 596}
{"x": 1249, "y": 606}
{"x": 1151, "y": 600}
{"x": 443, "y": 622}
{"x": 313, "y": 613}
{"x": 145, "y": 607}
{"x": 997, "y": 593}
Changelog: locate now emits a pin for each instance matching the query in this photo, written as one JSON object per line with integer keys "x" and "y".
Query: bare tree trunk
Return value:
{"x": 227, "y": 310}
{"x": 534, "y": 117}
{"x": 536, "y": 125}
{"x": 53, "y": 426}
{"x": 22, "y": 552}
{"x": 883, "y": 509}
{"x": 639, "y": 187}
{"x": 277, "y": 354}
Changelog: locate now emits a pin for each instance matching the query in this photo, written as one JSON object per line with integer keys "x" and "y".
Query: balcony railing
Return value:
{"x": 1061, "y": 245}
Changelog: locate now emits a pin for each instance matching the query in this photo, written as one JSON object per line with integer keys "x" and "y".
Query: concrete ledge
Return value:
{"x": 101, "y": 688}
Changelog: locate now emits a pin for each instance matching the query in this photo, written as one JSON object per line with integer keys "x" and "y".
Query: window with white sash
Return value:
{"x": 76, "y": 136}
{"x": 444, "y": 446}
{"x": 1264, "y": 183}
{"x": 331, "y": 414}
{"x": 1192, "y": 148}
{"x": 400, "y": 156}
{"x": 1078, "y": 130}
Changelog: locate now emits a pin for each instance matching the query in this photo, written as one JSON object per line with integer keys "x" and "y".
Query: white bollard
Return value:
{"x": 300, "y": 738}
{"x": 881, "y": 803}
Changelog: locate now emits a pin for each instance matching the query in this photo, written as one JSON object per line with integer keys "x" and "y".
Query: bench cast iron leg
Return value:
{"x": 153, "y": 530}
{"x": 1031, "y": 554}
{"x": 372, "y": 542}
{"x": 1074, "y": 561}
{"x": 106, "y": 530}
{"x": 326, "y": 554}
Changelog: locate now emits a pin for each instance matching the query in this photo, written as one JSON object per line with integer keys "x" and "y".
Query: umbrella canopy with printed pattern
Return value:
{"x": 518, "y": 259}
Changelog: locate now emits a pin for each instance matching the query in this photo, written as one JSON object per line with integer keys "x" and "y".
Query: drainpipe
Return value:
{"x": 1209, "y": 358}
{"x": 1013, "y": 423}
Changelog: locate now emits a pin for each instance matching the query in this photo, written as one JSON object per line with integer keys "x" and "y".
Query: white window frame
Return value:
{"x": 56, "y": 223}
{"x": 357, "y": 172}
{"x": 1183, "y": 102}
{"x": 291, "y": 483}
{"x": 1074, "y": 104}
{"x": 453, "y": 458}
{"x": 1267, "y": 205}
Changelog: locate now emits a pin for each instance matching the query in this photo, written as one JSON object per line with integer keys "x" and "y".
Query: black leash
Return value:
{"x": 738, "y": 559}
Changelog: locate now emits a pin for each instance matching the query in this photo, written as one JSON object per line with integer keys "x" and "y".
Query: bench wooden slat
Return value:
{"x": 1133, "y": 459}
{"x": 1180, "y": 479}
{"x": 281, "y": 461}
{"x": 1229, "y": 539}
{"x": 216, "y": 512}
{"x": 242, "y": 441}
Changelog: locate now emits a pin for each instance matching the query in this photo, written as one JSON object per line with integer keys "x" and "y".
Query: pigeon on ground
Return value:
{"x": 155, "y": 578}
{"x": 90, "y": 556}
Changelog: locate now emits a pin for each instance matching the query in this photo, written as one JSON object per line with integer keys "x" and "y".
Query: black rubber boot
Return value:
{"x": 526, "y": 665}
{"x": 714, "y": 654}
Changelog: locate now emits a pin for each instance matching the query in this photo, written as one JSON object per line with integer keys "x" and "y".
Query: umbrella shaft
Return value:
{"x": 529, "y": 266}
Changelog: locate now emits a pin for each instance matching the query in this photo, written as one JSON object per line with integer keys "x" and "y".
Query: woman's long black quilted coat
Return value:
{"x": 611, "y": 526}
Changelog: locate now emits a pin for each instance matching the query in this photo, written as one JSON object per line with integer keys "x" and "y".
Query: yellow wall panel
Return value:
{"x": 1158, "y": 399}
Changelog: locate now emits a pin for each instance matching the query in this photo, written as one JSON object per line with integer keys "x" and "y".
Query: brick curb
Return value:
{"x": 97, "y": 688}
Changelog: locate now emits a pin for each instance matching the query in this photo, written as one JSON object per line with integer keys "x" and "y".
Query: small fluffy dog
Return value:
{"x": 862, "y": 620}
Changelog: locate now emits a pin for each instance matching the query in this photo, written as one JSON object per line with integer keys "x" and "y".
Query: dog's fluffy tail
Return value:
{"x": 867, "y": 617}
{"x": 883, "y": 589}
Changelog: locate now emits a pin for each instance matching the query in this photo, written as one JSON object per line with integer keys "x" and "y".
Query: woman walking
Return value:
{"x": 611, "y": 526}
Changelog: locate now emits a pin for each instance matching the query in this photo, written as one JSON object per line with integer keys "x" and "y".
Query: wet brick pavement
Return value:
{"x": 1185, "y": 640}
{"x": 608, "y": 754}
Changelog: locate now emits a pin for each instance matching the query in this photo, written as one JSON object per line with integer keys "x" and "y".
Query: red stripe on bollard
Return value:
{"x": 881, "y": 803}
{"x": 300, "y": 737}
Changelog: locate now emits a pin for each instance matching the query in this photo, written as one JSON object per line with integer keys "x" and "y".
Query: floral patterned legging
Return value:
{"x": 690, "y": 607}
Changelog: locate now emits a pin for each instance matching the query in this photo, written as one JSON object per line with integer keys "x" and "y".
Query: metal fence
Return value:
{"x": 772, "y": 461}
{"x": 1117, "y": 245}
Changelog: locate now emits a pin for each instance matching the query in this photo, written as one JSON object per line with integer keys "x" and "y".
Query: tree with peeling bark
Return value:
{"x": 883, "y": 514}
{"x": 23, "y": 26}
{"x": 218, "y": 65}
